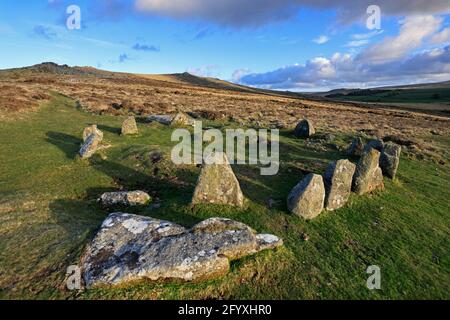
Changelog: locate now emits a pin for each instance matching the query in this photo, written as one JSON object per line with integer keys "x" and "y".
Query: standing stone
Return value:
{"x": 368, "y": 176}
{"x": 356, "y": 147}
{"x": 217, "y": 183}
{"x": 307, "y": 198}
{"x": 90, "y": 130}
{"x": 90, "y": 146}
{"x": 389, "y": 159}
{"x": 338, "y": 183}
{"x": 129, "y": 126}
{"x": 304, "y": 129}
{"x": 375, "y": 144}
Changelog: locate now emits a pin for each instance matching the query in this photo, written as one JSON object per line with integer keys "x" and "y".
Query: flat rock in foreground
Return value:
{"x": 217, "y": 183}
{"x": 338, "y": 183}
{"x": 124, "y": 198}
{"x": 307, "y": 198}
{"x": 130, "y": 247}
{"x": 368, "y": 176}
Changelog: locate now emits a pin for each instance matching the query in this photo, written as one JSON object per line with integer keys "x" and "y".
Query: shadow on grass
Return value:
{"x": 110, "y": 129}
{"x": 70, "y": 145}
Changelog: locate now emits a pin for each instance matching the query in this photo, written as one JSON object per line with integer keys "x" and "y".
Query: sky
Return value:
{"x": 297, "y": 45}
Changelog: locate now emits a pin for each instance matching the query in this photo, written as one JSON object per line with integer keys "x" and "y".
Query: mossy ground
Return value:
{"x": 48, "y": 213}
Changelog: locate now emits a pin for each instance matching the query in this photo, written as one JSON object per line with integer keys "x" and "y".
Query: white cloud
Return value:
{"x": 441, "y": 37}
{"x": 238, "y": 74}
{"x": 357, "y": 43}
{"x": 413, "y": 31}
{"x": 204, "y": 71}
{"x": 321, "y": 39}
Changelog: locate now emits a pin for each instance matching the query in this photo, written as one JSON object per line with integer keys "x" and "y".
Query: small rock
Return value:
{"x": 163, "y": 119}
{"x": 356, "y": 147}
{"x": 304, "y": 236}
{"x": 90, "y": 146}
{"x": 129, "y": 126}
{"x": 182, "y": 119}
{"x": 130, "y": 247}
{"x": 217, "y": 183}
{"x": 90, "y": 130}
{"x": 128, "y": 198}
{"x": 368, "y": 176}
{"x": 390, "y": 159}
{"x": 338, "y": 183}
{"x": 304, "y": 129}
{"x": 307, "y": 198}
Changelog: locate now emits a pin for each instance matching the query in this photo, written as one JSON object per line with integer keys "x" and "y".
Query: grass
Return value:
{"x": 400, "y": 96}
{"x": 48, "y": 213}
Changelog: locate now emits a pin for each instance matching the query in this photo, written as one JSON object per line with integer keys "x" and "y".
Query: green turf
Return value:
{"x": 436, "y": 95}
{"x": 48, "y": 213}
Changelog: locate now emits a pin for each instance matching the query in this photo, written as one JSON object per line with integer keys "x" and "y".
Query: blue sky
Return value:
{"x": 300, "y": 45}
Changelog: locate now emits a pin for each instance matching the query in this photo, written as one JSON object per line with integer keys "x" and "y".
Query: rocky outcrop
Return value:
{"x": 129, "y": 126}
{"x": 90, "y": 146}
{"x": 304, "y": 129}
{"x": 338, "y": 183}
{"x": 356, "y": 147}
{"x": 307, "y": 198}
{"x": 128, "y": 198}
{"x": 130, "y": 247}
{"x": 368, "y": 176}
{"x": 90, "y": 130}
{"x": 217, "y": 183}
{"x": 163, "y": 119}
{"x": 390, "y": 159}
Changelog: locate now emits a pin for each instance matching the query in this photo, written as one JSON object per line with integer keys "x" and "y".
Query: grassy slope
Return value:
{"x": 434, "y": 95}
{"x": 48, "y": 213}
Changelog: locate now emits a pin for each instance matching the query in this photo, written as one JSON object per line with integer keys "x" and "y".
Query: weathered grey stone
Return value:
{"x": 368, "y": 176}
{"x": 375, "y": 144}
{"x": 217, "y": 183}
{"x": 307, "y": 198}
{"x": 304, "y": 129}
{"x": 90, "y": 130}
{"x": 356, "y": 147}
{"x": 182, "y": 119}
{"x": 90, "y": 146}
{"x": 130, "y": 247}
{"x": 127, "y": 198}
{"x": 390, "y": 158}
{"x": 338, "y": 183}
{"x": 163, "y": 119}
{"x": 129, "y": 126}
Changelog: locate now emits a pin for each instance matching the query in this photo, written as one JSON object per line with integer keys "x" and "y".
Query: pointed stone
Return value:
{"x": 90, "y": 130}
{"x": 304, "y": 129}
{"x": 368, "y": 176}
{"x": 338, "y": 183}
{"x": 390, "y": 159}
{"x": 307, "y": 198}
{"x": 129, "y": 126}
{"x": 217, "y": 183}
